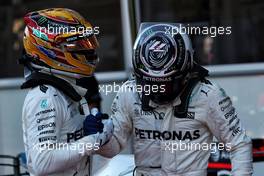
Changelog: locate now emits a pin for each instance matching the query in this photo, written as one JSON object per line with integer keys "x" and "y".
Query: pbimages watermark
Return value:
{"x": 190, "y": 146}
{"x": 147, "y": 89}
{"x": 212, "y": 31}
{"x": 54, "y": 29}
{"x": 80, "y": 147}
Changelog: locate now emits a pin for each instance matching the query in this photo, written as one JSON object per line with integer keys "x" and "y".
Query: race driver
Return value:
{"x": 59, "y": 57}
{"x": 184, "y": 108}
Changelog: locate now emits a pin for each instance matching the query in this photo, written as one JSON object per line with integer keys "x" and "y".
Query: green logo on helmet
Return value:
{"x": 40, "y": 34}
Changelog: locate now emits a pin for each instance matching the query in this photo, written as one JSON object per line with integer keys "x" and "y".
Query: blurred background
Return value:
{"x": 235, "y": 60}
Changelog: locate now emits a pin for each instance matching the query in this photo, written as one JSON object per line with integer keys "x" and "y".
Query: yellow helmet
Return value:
{"x": 60, "y": 41}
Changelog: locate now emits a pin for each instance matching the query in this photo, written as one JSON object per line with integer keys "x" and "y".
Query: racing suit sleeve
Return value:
{"x": 42, "y": 121}
{"x": 225, "y": 125}
{"x": 122, "y": 126}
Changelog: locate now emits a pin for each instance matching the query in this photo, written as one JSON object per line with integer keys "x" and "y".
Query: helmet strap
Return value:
{"x": 198, "y": 74}
{"x": 145, "y": 99}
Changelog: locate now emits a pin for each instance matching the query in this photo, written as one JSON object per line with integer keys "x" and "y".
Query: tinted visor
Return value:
{"x": 80, "y": 44}
{"x": 86, "y": 56}
{"x": 81, "y": 48}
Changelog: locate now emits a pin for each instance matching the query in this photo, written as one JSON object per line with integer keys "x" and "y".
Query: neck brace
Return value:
{"x": 80, "y": 90}
{"x": 66, "y": 85}
{"x": 181, "y": 102}
{"x": 198, "y": 74}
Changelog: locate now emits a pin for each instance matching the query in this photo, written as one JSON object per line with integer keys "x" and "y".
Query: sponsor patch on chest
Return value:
{"x": 167, "y": 135}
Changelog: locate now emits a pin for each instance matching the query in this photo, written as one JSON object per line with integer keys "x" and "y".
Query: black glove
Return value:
{"x": 93, "y": 124}
{"x": 93, "y": 94}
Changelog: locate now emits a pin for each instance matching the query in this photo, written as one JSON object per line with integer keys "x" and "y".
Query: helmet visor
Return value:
{"x": 81, "y": 48}
{"x": 86, "y": 56}
{"x": 84, "y": 43}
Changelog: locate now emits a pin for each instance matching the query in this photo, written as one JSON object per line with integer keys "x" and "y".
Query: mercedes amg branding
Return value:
{"x": 167, "y": 135}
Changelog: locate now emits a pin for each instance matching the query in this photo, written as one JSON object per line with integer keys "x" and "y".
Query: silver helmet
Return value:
{"x": 163, "y": 56}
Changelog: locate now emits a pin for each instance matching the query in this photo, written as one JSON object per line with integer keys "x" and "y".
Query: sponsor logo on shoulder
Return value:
{"x": 44, "y": 104}
{"x": 45, "y": 111}
{"x": 235, "y": 128}
{"x": 230, "y": 114}
{"x": 47, "y": 132}
{"x": 45, "y": 118}
{"x": 51, "y": 124}
{"x": 225, "y": 104}
{"x": 167, "y": 135}
{"x": 153, "y": 113}
{"x": 48, "y": 138}
{"x": 190, "y": 115}
{"x": 227, "y": 99}
{"x": 223, "y": 93}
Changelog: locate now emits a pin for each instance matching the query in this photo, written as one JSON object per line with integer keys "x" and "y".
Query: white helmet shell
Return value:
{"x": 162, "y": 51}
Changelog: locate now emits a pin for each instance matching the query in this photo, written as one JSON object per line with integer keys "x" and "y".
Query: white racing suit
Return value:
{"x": 157, "y": 133}
{"x": 50, "y": 117}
